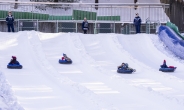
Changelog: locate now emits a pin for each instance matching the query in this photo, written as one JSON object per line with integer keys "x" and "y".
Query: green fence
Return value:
{"x": 108, "y": 18}
{"x": 60, "y": 18}
{"x": 79, "y": 15}
{"x": 24, "y": 15}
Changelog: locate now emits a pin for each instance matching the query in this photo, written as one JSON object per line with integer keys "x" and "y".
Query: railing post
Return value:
{"x": 111, "y": 12}
{"x": 149, "y": 11}
{"x": 32, "y": 12}
{"x": 114, "y": 27}
{"x": 130, "y": 13}
{"x": 57, "y": 26}
{"x": 18, "y": 25}
{"x": 37, "y": 25}
{"x": 76, "y": 27}
{"x": 95, "y": 28}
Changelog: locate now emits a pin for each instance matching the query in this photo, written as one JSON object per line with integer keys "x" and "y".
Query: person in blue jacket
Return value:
{"x": 137, "y": 23}
{"x": 10, "y": 21}
{"x": 85, "y": 27}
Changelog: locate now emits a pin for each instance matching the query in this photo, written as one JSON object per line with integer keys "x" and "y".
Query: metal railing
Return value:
{"x": 67, "y": 17}
{"x": 100, "y": 12}
{"x": 76, "y": 27}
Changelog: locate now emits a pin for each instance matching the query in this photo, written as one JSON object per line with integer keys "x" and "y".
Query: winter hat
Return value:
{"x": 14, "y": 57}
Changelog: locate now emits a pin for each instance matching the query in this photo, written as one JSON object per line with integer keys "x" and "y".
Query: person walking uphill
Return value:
{"x": 137, "y": 23}
{"x": 10, "y": 21}
{"x": 85, "y": 27}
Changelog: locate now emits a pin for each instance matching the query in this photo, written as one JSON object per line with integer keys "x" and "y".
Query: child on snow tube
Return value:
{"x": 165, "y": 68}
{"x": 123, "y": 68}
{"x": 14, "y": 63}
{"x": 65, "y": 59}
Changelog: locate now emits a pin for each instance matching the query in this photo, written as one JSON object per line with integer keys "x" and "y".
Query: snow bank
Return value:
{"x": 7, "y": 100}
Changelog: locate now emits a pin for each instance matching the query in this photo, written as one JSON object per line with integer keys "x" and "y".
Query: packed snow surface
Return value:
{"x": 91, "y": 82}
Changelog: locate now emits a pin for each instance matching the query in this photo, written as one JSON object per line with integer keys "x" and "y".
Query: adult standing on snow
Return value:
{"x": 137, "y": 23}
{"x": 10, "y": 21}
{"x": 85, "y": 27}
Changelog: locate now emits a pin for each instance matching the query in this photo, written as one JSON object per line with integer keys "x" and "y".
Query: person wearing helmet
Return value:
{"x": 13, "y": 60}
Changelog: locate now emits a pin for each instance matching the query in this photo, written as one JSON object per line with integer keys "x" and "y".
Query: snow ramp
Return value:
{"x": 91, "y": 81}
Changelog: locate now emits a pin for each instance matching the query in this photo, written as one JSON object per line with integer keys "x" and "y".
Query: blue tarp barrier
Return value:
{"x": 172, "y": 41}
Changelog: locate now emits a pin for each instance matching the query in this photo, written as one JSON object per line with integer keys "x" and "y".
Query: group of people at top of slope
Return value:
{"x": 85, "y": 24}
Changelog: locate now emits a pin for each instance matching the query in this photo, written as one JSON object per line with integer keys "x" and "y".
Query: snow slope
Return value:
{"x": 91, "y": 82}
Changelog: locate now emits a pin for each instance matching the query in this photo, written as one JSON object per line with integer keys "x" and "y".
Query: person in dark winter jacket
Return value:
{"x": 85, "y": 27}
{"x": 137, "y": 23}
{"x": 164, "y": 64}
{"x": 123, "y": 65}
{"x": 13, "y": 60}
{"x": 10, "y": 21}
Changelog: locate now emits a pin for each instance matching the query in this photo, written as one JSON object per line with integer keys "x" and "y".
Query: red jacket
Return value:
{"x": 63, "y": 58}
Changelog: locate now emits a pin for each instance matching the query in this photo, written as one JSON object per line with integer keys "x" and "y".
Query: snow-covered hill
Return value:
{"x": 91, "y": 82}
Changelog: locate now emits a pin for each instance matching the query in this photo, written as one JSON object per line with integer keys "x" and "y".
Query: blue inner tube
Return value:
{"x": 121, "y": 70}
{"x": 14, "y": 66}
{"x": 65, "y": 61}
{"x": 167, "y": 69}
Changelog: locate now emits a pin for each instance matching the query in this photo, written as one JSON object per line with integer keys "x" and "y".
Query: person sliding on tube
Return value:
{"x": 13, "y": 60}
{"x": 65, "y": 57}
